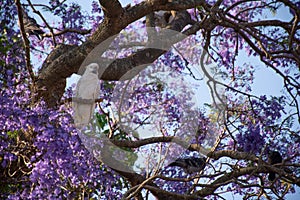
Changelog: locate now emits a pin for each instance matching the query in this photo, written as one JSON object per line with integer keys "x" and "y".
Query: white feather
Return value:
{"x": 87, "y": 90}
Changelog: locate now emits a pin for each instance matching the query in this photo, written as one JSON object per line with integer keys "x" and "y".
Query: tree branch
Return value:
{"x": 68, "y": 30}
{"x": 26, "y": 41}
{"x": 233, "y": 154}
{"x": 111, "y": 8}
{"x": 69, "y": 62}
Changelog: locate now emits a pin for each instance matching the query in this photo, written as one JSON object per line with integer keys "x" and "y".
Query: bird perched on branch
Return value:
{"x": 87, "y": 91}
{"x": 31, "y": 26}
{"x": 189, "y": 165}
{"x": 274, "y": 158}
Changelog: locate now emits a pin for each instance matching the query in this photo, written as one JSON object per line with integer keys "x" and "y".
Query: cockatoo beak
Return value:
{"x": 94, "y": 71}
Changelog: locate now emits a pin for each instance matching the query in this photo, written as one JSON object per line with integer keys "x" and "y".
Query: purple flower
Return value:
{"x": 251, "y": 139}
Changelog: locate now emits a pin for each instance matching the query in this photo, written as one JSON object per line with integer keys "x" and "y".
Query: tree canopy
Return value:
{"x": 153, "y": 56}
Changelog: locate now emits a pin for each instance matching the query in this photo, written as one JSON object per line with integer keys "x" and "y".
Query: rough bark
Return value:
{"x": 52, "y": 77}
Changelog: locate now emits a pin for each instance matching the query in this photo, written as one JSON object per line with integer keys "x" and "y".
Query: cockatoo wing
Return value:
{"x": 87, "y": 91}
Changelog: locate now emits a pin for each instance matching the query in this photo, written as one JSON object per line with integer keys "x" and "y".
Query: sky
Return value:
{"x": 265, "y": 82}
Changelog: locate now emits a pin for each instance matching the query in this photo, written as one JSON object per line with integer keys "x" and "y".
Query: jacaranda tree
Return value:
{"x": 152, "y": 57}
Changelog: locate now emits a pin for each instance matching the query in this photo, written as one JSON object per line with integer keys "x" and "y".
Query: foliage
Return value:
{"x": 43, "y": 156}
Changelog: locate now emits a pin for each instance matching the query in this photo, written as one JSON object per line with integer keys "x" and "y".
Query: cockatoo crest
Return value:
{"x": 87, "y": 91}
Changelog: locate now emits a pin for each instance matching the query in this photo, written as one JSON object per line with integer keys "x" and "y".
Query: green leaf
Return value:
{"x": 13, "y": 134}
{"x": 101, "y": 119}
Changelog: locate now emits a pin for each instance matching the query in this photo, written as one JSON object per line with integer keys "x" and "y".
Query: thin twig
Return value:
{"x": 44, "y": 20}
{"x": 25, "y": 40}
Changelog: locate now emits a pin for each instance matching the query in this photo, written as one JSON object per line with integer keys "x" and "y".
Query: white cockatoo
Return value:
{"x": 87, "y": 90}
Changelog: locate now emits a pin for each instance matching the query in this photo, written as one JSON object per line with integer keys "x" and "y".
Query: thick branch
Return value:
{"x": 69, "y": 62}
{"x": 165, "y": 139}
{"x": 111, "y": 8}
{"x": 68, "y": 30}
{"x": 233, "y": 154}
{"x": 229, "y": 177}
{"x": 135, "y": 179}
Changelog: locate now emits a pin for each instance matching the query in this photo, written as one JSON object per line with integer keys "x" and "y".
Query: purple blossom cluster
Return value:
{"x": 255, "y": 132}
{"x": 61, "y": 167}
{"x": 72, "y": 18}
{"x": 268, "y": 111}
{"x": 58, "y": 166}
{"x": 251, "y": 139}
{"x": 140, "y": 101}
{"x": 96, "y": 15}
{"x": 174, "y": 61}
{"x": 10, "y": 44}
{"x": 180, "y": 187}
